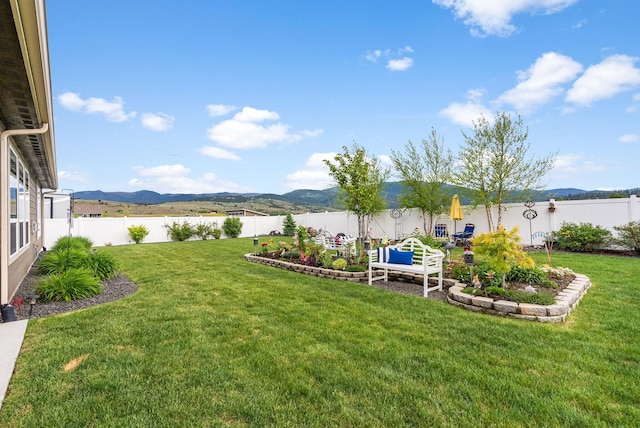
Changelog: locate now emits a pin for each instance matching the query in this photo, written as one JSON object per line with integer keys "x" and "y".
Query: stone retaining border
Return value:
{"x": 566, "y": 300}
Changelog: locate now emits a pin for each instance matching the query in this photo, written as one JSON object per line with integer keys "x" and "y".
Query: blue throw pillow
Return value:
{"x": 383, "y": 254}
{"x": 400, "y": 257}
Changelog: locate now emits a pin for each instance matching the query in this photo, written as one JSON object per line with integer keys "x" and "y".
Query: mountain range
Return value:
{"x": 321, "y": 198}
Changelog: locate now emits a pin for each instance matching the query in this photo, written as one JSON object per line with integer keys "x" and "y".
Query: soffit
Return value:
{"x": 25, "y": 86}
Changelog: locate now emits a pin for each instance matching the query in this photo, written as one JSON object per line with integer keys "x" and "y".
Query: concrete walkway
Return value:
{"x": 11, "y": 336}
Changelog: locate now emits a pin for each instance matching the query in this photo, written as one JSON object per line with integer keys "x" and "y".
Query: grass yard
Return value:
{"x": 212, "y": 340}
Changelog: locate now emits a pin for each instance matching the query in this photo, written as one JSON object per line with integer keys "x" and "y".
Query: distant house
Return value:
{"x": 91, "y": 212}
{"x": 27, "y": 147}
{"x": 243, "y": 212}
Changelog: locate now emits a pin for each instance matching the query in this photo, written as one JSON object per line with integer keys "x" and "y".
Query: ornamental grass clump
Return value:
{"x": 74, "y": 270}
{"x": 72, "y": 284}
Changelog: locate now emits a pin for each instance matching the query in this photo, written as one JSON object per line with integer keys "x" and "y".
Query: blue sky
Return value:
{"x": 211, "y": 96}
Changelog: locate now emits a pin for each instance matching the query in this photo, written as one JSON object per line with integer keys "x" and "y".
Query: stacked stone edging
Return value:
{"x": 566, "y": 302}
{"x": 309, "y": 270}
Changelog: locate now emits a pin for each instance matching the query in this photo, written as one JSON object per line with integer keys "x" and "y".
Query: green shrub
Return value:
{"x": 629, "y": 236}
{"x": 103, "y": 265}
{"x": 427, "y": 239}
{"x": 216, "y": 232}
{"x": 459, "y": 271}
{"x": 78, "y": 242}
{"x": 583, "y": 237}
{"x": 288, "y": 225}
{"x": 69, "y": 285}
{"x": 529, "y": 274}
{"x": 61, "y": 259}
{"x": 179, "y": 232}
{"x": 203, "y": 230}
{"x": 138, "y": 233}
{"x": 339, "y": 264}
{"x": 325, "y": 259}
{"x": 232, "y": 227}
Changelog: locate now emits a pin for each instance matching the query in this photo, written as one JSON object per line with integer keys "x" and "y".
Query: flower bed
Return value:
{"x": 567, "y": 297}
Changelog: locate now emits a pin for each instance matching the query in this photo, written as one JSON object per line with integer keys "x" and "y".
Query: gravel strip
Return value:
{"x": 113, "y": 289}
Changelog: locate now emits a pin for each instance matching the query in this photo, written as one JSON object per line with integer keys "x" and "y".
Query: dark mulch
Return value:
{"x": 113, "y": 289}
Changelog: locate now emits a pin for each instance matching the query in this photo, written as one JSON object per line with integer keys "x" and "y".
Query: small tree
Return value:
{"x": 423, "y": 174}
{"x": 288, "y": 225}
{"x": 138, "y": 233}
{"x": 232, "y": 226}
{"x": 494, "y": 164}
{"x": 360, "y": 180}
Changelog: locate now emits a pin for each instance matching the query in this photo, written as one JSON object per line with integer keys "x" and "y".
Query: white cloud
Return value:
{"x": 373, "y": 56}
{"x": 615, "y": 74}
{"x": 157, "y": 122}
{"x": 466, "y": 113}
{"x": 216, "y": 110}
{"x": 542, "y": 81}
{"x": 218, "y": 153}
{"x": 629, "y": 138}
{"x": 175, "y": 179}
{"x": 245, "y": 131}
{"x": 71, "y": 176}
{"x": 314, "y": 175}
{"x": 494, "y": 16}
{"x": 393, "y": 62}
{"x": 250, "y": 114}
{"x": 400, "y": 64}
{"x": 572, "y": 164}
{"x": 579, "y": 24}
{"x": 112, "y": 110}
{"x": 71, "y": 101}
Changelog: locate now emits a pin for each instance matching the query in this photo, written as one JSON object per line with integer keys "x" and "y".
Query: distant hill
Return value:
{"x": 319, "y": 198}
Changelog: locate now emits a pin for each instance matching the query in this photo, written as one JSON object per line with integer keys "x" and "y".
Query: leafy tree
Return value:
{"x": 232, "y": 226}
{"x": 493, "y": 164}
{"x": 288, "y": 225}
{"x": 360, "y": 180}
{"x": 423, "y": 173}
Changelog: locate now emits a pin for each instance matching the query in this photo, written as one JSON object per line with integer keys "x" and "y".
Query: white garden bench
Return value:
{"x": 410, "y": 256}
{"x": 333, "y": 243}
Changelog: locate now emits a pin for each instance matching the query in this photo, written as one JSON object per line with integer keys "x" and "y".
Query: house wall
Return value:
{"x": 20, "y": 265}
{"x": 606, "y": 213}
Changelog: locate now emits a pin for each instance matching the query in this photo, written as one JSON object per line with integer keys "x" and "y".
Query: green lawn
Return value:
{"x": 212, "y": 340}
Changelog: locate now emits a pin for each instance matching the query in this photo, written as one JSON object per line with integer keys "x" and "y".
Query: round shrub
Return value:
{"x": 583, "y": 237}
{"x": 138, "y": 233}
{"x": 339, "y": 264}
{"x": 232, "y": 226}
{"x": 72, "y": 284}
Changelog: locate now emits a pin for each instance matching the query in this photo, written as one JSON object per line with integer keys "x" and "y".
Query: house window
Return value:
{"x": 19, "y": 207}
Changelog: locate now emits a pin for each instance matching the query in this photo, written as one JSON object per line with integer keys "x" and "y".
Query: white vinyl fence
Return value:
{"x": 549, "y": 216}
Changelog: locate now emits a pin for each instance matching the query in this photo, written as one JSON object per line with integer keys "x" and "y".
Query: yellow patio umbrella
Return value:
{"x": 456, "y": 212}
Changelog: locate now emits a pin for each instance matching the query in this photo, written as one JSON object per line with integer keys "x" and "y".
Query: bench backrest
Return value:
{"x": 420, "y": 251}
